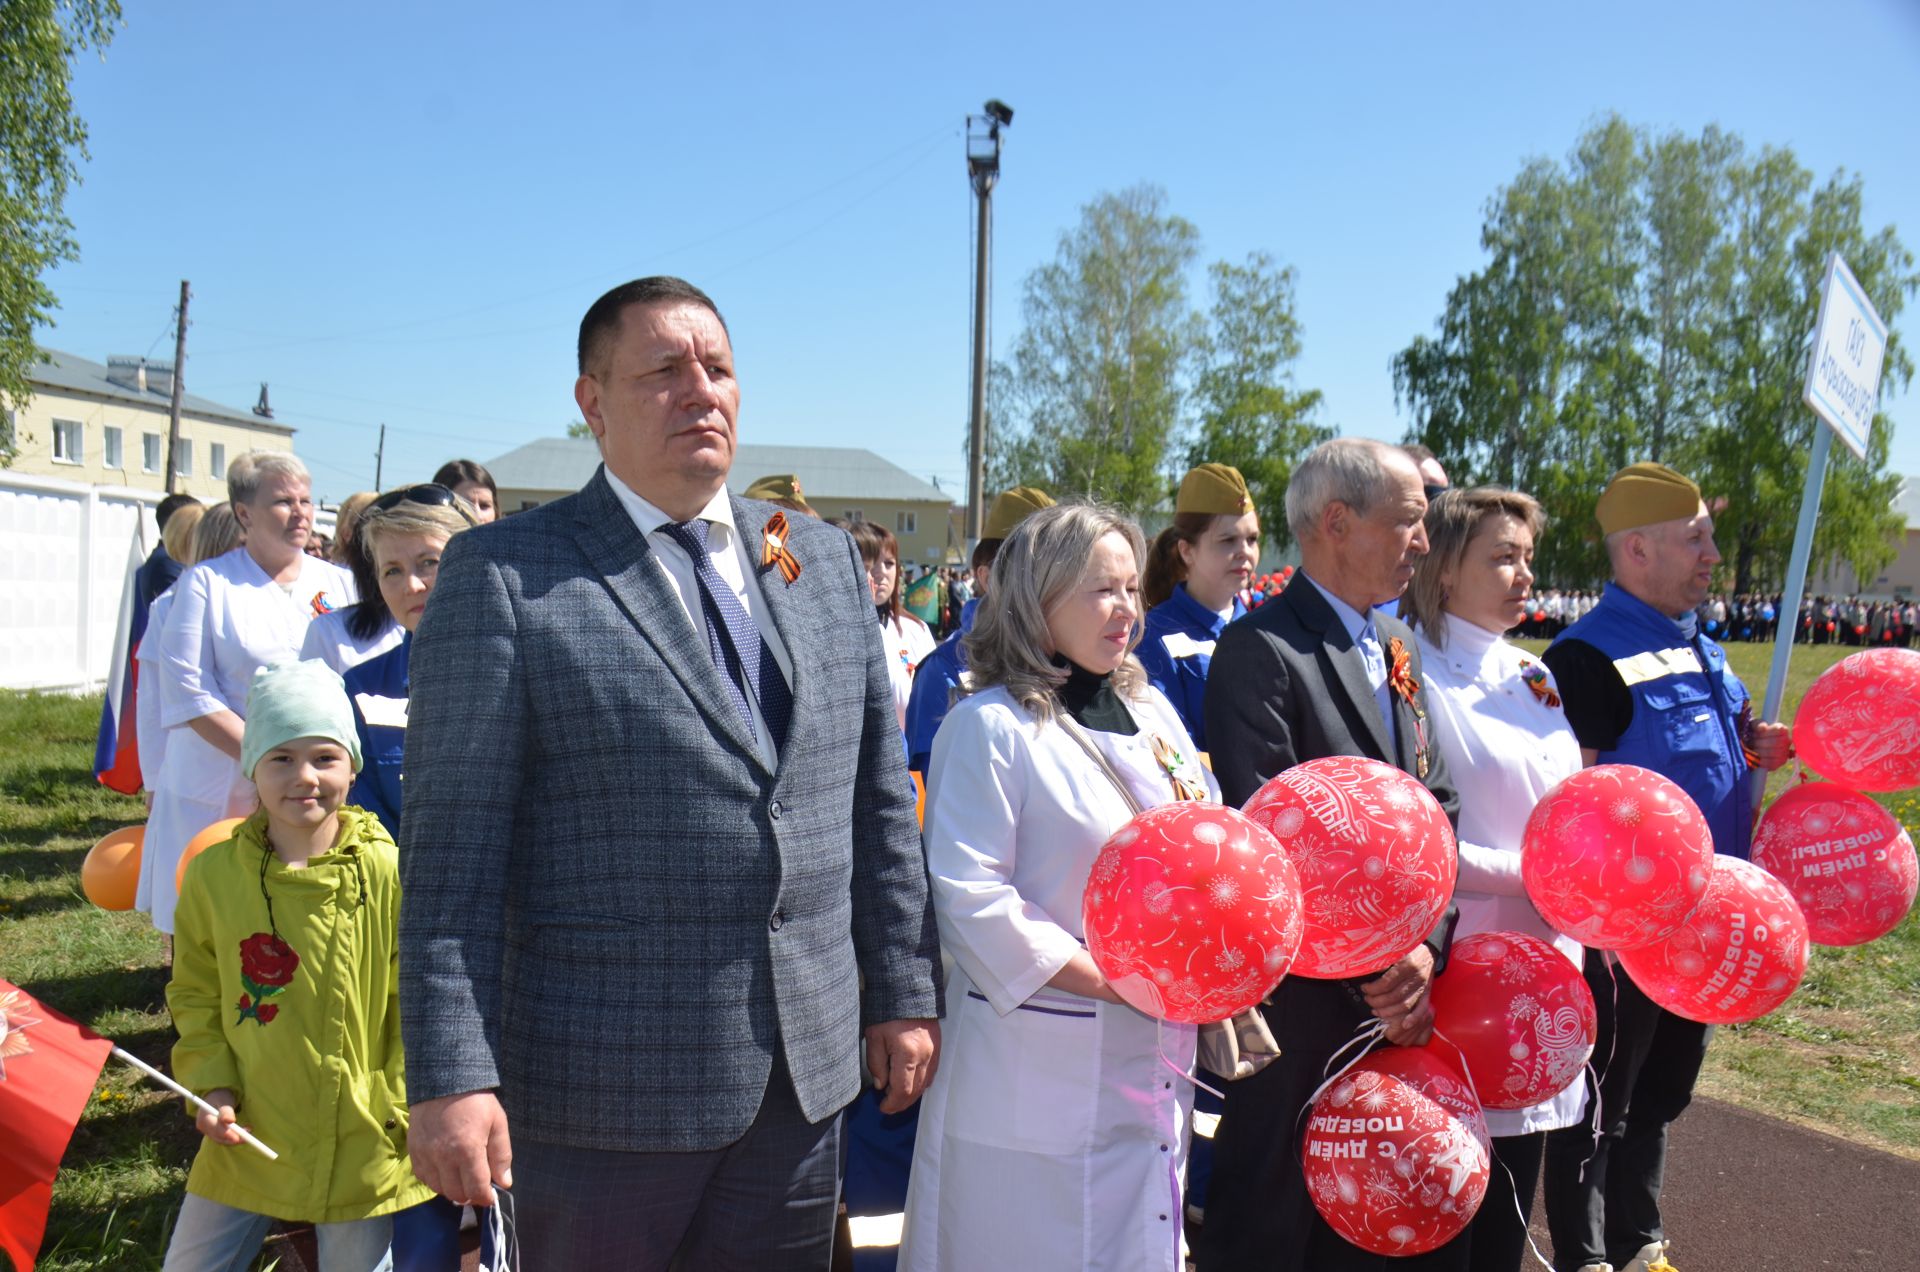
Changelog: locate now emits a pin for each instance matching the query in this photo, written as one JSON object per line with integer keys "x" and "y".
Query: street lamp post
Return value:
{"x": 983, "y": 170}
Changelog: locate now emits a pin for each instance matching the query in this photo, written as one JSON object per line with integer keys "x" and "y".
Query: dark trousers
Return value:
{"x": 1603, "y": 1200}
{"x": 1258, "y": 1212}
{"x": 767, "y": 1200}
{"x": 1497, "y": 1237}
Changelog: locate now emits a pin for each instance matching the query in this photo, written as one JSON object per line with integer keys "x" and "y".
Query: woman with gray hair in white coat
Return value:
{"x": 1055, "y": 1133}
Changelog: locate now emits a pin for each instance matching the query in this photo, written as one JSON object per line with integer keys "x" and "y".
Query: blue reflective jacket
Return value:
{"x": 1687, "y": 705}
{"x": 934, "y": 681}
{"x": 380, "y": 682}
{"x": 1177, "y": 651}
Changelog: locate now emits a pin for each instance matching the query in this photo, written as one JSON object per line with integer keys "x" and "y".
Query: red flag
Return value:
{"x": 48, "y": 1065}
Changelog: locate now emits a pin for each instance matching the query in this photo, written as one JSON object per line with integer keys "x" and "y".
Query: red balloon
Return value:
{"x": 1737, "y": 957}
{"x": 1396, "y": 1153}
{"x": 1192, "y": 912}
{"x": 1616, "y": 856}
{"x": 1859, "y": 724}
{"x": 1520, "y": 1014}
{"x": 1847, "y": 861}
{"x": 1376, "y": 859}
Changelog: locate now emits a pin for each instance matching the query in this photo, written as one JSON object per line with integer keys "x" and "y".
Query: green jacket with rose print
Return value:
{"x": 299, "y": 1015}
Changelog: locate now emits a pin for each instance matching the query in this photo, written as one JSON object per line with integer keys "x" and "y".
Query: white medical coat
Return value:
{"x": 1055, "y": 1134}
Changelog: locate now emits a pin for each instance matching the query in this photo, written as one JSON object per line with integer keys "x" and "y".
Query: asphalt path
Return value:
{"x": 1751, "y": 1193}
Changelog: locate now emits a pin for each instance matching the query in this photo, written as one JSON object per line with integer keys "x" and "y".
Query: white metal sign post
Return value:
{"x": 1843, "y": 389}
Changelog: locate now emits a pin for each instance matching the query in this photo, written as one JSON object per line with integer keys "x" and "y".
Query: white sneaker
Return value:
{"x": 1652, "y": 1258}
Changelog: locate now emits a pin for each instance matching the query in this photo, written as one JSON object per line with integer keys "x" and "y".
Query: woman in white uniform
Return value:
{"x": 1507, "y": 742}
{"x": 906, "y": 638}
{"x": 233, "y": 614}
{"x": 171, "y": 817}
{"x": 1055, "y": 1134}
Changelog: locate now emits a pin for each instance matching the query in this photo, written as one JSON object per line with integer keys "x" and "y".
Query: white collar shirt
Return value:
{"x": 729, "y": 556}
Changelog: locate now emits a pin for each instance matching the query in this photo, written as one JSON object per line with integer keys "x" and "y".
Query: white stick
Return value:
{"x": 199, "y": 1103}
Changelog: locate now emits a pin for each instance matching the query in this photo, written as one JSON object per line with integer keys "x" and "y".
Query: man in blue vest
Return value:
{"x": 939, "y": 672}
{"x": 1642, "y": 686}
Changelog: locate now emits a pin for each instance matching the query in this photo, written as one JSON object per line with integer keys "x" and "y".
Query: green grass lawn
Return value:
{"x": 1842, "y": 1055}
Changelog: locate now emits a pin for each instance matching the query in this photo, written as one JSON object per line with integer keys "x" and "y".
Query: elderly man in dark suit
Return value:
{"x": 1303, "y": 677}
{"x": 660, "y": 862}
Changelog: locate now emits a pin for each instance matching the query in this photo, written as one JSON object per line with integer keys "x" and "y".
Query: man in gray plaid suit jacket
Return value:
{"x": 659, "y": 856}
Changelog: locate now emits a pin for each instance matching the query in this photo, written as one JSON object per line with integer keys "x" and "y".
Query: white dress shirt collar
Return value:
{"x": 647, "y": 518}
{"x": 1469, "y": 646}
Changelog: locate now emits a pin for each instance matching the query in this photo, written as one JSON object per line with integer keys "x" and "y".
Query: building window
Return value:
{"x": 217, "y": 460}
{"x": 69, "y": 437}
{"x": 184, "y": 457}
{"x": 152, "y": 458}
{"x": 904, "y": 523}
{"x": 110, "y": 448}
{"x": 854, "y": 515}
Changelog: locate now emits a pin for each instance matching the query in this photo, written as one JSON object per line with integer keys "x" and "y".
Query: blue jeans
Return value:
{"x": 211, "y": 1237}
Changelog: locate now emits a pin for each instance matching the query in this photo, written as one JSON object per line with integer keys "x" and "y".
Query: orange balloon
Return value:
{"x": 218, "y": 833}
{"x": 110, "y": 876}
{"x": 920, "y": 796}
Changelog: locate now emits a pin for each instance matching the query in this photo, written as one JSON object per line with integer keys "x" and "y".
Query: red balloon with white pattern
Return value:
{"x": 1616, "y": 856}
{"x": 1376, "y": 859}
{"x": 1738, "y": 956}
{"x": 1192, "y": 912}
{"x": 1396, "y": 1153}
{"x": 1520, "y": 1013}
{"x": 1848, "y": 862}
{"x": 1859, "y": 724}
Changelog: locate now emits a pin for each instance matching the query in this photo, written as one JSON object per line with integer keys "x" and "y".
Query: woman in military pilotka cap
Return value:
{"x": 1197, "y": 573}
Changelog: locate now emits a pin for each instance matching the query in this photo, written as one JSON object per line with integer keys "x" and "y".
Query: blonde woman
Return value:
{"x": 1055, "y": 1135}
{"x": 1499, "y": 724}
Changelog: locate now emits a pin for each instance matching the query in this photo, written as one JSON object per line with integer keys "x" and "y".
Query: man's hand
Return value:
{"x": 218, "y": 1127}
{"x": 1398, "y": 996}
{"x": 1772, "y": 744}
{"x": 460, "y": 1148}
{"x": 901, "y": 1058}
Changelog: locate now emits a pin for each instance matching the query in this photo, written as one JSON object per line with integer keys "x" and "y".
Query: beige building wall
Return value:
{"x": 919, "y": 525}
{"x": 207, "y": 444}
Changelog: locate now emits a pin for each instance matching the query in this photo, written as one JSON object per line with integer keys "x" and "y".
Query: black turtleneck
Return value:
{"x": 1091, "y": 701}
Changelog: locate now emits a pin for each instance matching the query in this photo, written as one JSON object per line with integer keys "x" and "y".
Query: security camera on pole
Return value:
{"x": 1843, "y": 389}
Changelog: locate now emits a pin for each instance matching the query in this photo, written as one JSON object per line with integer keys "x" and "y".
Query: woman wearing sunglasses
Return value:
{"x": 401, "y": 537}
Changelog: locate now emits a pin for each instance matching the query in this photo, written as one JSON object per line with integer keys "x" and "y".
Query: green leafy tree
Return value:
{"x": 579, "y": 429}
{"x": 1090, "y": 402}
{"x": 1649, "y": 299}
{"x": 40, "y": 140}
{"x": 1249, "y": 414}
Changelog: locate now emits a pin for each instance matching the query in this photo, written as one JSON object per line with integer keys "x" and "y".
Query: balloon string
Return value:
{"x": 1160, "y": 1045}
{"x": 1613, "y": 1048}
{"x": 1364, "y": 1036}
{"x": 1513, "y": 1185}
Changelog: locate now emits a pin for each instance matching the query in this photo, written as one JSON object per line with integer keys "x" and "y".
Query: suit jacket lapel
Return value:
{"x": 616, "y": 549}
{"x": 787, "y": 605}
{"x": 1341, "y": 657}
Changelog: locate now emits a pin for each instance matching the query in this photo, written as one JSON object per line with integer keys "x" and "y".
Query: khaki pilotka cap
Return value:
{"x": 778, "y": 486}
{"x": 1011, "y": 507}
{"x": 1645, "y": 494}
{"x": 1214, "y": 489}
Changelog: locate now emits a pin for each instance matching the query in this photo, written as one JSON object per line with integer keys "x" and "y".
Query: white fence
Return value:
{"x": 64, "y": 551}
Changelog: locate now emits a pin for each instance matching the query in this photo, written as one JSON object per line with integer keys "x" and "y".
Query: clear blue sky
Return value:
{"x": 398, "y": 212}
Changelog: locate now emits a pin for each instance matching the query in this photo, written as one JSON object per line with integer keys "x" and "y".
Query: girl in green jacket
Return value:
{"x": 285, "y": 995}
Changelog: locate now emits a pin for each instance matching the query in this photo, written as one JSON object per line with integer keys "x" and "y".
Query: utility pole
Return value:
{"x": 380, "y": 457}
{"x": 983, "y": 170}
{"x": 179, "y": 386}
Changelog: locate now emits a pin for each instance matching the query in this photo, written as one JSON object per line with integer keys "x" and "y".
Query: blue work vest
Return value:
{"x": 1686, "y": 710}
